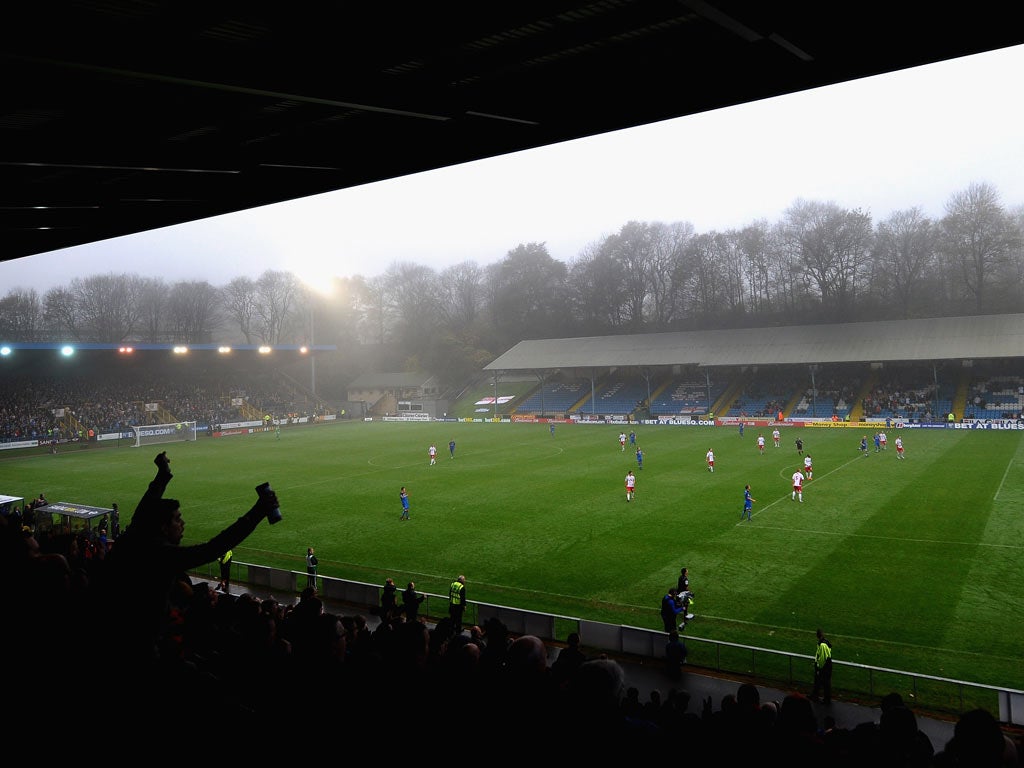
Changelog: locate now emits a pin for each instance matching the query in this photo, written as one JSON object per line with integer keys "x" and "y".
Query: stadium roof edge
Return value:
{"x": 926, "y": 339}
{"x": 168, "y": 347}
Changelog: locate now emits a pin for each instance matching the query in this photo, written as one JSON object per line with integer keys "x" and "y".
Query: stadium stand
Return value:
{"x": 909, "y": 393}
{"x": 686, "y": 396}
{"x": 41, "y": 407}
{"x": 765, "y": 393}
{"x": 619, "y": 396}
{"x": 555, "y": 397}
{"x": 996, "y": 396}
{"x": 833, "y": 393}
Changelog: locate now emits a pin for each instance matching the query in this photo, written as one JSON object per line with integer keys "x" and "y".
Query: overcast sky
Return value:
{"x": 887, "y": 143}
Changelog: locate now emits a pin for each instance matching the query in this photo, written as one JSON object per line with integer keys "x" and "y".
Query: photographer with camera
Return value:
{"x": 146, "y": 588}
{"x": 671, "y": 607}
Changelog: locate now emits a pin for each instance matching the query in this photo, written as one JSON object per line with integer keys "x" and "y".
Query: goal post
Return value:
{"x": 152, "y": 434}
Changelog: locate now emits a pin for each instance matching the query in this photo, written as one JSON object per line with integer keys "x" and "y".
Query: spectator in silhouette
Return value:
{"x": 388, "y": 600}
{"x": 796, "y": 732}
{"x": 675, "y": 656}
{"x": 312, "y": 561}
{"x": 411, "y": 601}
{"x": 568, "y": 660}
{"x": 148, "y": 568}
{"x": 979, "y": 742}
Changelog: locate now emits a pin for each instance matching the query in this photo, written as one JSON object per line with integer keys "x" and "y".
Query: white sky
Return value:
{"x": 880, "y": 144}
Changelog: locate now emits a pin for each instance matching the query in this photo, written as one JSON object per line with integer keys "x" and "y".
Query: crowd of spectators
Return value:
{"x": 258, "y": 664}
{"x": 996, "y": 397}
{"x": 41, "y": 407}
{"x": 831, "y": 395}
{"x": 767, "y": 393}
{"x": 895, "y": 398}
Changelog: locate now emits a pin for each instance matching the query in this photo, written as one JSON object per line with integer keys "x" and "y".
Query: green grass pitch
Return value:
{"x": 913, "y": 565}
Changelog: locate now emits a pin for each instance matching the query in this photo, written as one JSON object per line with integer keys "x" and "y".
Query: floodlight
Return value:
{"x": 67, "y": 351}
{"x": 264, "y": 350}
{"x": 5, "y": 351}
{"x": 224, "y": 350}
{"x": 180, "y": 350}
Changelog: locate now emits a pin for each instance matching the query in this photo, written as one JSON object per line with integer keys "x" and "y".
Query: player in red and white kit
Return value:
{"x": 711, "y": 460}
{"x": 899, "y": 448}
{"x": 630, "y": 485}
{"x": 798, "y": 486}
{"x": 622, "y": 440}
{"x": 760, "y": 444}
{"x": 883, "y": 440}
{"x": 808, "y": 469}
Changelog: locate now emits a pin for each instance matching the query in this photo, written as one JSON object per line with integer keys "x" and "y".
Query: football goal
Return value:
{"x": 151, "y": 434}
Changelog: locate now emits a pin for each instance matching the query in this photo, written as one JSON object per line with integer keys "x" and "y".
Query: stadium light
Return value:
{"x": 5, "y": 351}
{"x": 224, "y": 350}
{"x": 180, "y": 350}
{"x": 67, "y": 351}
{"x": 264, "y": 350}
{"x": 126, "y": 350}
{"x": 319, "y": 287}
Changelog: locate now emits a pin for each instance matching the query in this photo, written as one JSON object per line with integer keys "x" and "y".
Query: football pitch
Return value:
{"x": 912, "y": 565}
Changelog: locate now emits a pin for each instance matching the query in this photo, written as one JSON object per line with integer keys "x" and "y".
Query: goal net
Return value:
{"x": 151, "y": 434}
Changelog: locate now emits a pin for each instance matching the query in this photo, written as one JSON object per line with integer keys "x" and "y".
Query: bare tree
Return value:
{"x": 832, "y": 245}
{"x": 377, "y": 307}
{"x": 528, "y": 295}
{"x": 60, "y": 314}
{"x": 668, "y": 248}
{"x": 277, "y": 295}
{"x": 903, "y": 261}
{"x": 1015, "y": 282}
{"x": 734, "y": 263}
{"x": 240, "y": 302}
{"x": 754, "y": 243}
{"x": 978, "y": 239}
{"x": 705, "y": 283}
{"x": 416, "y": 294}
{"x": 594, "y": 289}
{"x": 106, "y": 307}
{"x": 193, "y": 309}
{"x": 152, "y": 299}
{"x": 21, "y": 315}
{"x": 462, "y": 295}
{"x": 633, "y": 248}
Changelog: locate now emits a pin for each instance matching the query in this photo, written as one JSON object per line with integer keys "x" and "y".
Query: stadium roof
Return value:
{"x": 121, "y": 116}
{"x": 931, "y": 339}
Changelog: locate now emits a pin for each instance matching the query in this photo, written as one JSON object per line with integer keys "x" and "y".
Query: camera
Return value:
{"x": 274, "y": 515}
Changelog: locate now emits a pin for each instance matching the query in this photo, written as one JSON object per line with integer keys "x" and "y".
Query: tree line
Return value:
{"x": 819, "y": 263}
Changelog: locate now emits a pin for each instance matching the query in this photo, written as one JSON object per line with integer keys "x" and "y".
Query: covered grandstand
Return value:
{"x": 710, "y": 370}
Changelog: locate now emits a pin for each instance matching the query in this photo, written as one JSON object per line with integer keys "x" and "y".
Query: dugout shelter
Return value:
{"x": 69, "y": 516}
{"x": 10, "y": 503}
